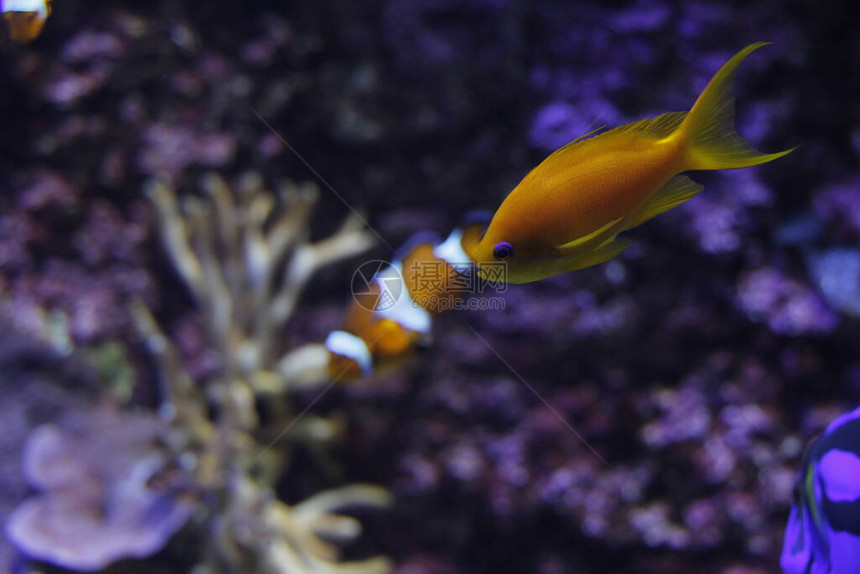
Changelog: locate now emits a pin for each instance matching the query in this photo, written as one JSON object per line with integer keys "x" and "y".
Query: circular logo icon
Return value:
{"x": 376, "y": 285}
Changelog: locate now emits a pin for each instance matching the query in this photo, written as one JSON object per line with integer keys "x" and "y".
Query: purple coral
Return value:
{"x": 168, "y": 150}
{"x": 786, "y": 305}
{"x": 839, "y": 205}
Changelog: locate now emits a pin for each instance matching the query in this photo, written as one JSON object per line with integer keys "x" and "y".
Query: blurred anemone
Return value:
{"x": 103, "y": 492}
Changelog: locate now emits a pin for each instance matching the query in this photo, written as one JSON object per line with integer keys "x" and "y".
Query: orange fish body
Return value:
{"x": 25, "y": 18}
{"x": 566, "y": 214}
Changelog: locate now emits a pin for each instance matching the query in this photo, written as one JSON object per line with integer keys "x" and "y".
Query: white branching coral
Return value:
{"x": 246, "y": 258}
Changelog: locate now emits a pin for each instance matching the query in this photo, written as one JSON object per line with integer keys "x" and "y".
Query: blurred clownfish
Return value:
{"x": 25, "y": 18}
{"x": 823, "y": 533}
{"x": 567, "y": 212}
{"x": 394, "y": 313}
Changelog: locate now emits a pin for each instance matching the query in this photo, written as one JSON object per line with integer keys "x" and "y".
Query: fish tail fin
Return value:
{"x": 709, "y": 128}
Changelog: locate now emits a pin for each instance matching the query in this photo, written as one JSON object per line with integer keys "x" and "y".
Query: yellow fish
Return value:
{"x": 567, "y": 212}
{"x": 25, "y": 18}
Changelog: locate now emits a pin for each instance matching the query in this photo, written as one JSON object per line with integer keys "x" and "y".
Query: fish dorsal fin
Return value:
{"x": 675, "y": 192}
{"x": 600, "y": 235}
{"x": 562, "y": 153}
{"x": 581, "y": 138}
{"x": 658, "y": 128}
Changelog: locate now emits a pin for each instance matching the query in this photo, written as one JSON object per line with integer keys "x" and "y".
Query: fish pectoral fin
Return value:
{"x": 676, "y": 191}
{"x": 603, "y": 253}
{"x": 601, "y": 235}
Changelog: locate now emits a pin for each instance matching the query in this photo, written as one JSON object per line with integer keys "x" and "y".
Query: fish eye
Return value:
{"x": 503, "y": 250}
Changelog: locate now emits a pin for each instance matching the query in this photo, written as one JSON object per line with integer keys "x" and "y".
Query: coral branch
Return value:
{"x": 246, "y": 259}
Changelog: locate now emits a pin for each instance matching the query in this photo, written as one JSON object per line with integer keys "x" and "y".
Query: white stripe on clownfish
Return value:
{"x": 352, "y": 347}
{"x": 451, "y": 252}
{"x": 40, "y": 7}
{"x": 403, "y": 310}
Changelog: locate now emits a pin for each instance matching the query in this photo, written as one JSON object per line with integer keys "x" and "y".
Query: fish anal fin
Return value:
{"x": 675, "y": 192}
{"x": 600, "y": 235}
{"x": 603, "y": 253}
